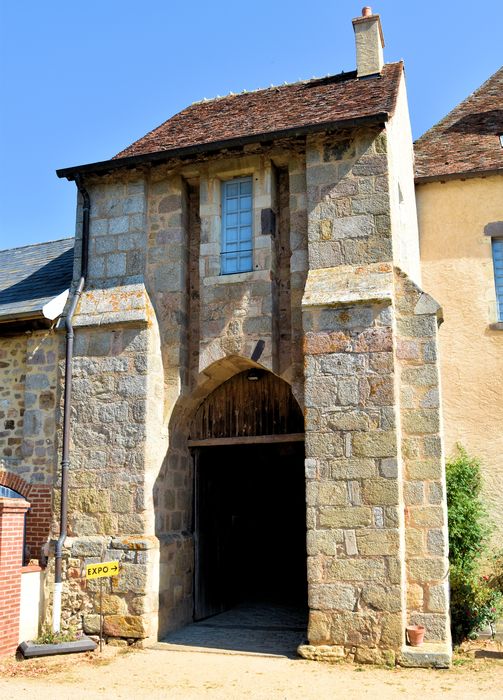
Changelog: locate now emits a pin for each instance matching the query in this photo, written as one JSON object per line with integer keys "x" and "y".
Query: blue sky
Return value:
{"x": 80, "y": 81}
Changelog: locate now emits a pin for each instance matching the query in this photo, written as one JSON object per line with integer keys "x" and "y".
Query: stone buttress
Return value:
{"x": 376, "y": 515}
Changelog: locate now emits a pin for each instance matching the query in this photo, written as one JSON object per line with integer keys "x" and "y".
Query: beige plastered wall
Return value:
{"x": 458, "y": 271}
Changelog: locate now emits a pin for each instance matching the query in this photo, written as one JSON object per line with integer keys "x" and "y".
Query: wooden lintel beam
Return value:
{"x": 247, "y": 440}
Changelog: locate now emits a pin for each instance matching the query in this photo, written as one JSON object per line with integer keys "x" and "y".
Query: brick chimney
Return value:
{"x": 369, "y": 43}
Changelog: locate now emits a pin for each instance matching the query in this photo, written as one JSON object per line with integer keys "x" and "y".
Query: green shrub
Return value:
{"x": 468, "y": 521}
{"x": 475, "y": 602}
{"x": 47, "y": 636}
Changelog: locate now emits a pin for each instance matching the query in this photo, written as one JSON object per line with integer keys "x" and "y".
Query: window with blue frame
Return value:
{"x": 6, "y": 492}
{"x": 497, "y": 244}
{"x": 237, "y": 231}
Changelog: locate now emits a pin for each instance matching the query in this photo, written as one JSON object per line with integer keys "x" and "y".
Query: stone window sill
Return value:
{"x": 252, "y": 276}
{"x": 496, "y": 326}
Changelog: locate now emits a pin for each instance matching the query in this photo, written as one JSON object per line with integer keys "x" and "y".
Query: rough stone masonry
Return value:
{"x": 147, "y": 353}
{"x": 332, "y": 306}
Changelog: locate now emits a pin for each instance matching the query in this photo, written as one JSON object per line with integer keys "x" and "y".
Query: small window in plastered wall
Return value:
{"x": 497, "y": 250}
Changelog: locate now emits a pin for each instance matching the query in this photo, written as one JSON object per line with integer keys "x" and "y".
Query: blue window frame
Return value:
{"x": 6, "y": 492}
{"x": 498, "y": 274}
{"x": 237, "y": 231}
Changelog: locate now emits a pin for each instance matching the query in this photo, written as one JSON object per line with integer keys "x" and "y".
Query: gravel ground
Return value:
{"x": 197, "y": 673}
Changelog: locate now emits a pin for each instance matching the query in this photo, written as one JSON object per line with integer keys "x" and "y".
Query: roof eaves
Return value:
{"x": 462, "y": 175}
{"x": 105, "y": 166}
{"x": 31, "y": 315}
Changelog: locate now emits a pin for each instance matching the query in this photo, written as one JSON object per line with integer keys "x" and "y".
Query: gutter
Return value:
{"x": 67, "y": 405}
{"x": 25, "y": 317}
{"x": 469, "y": 175}
{"x": 49, "y": 311}
{"x": 105, "y": 166}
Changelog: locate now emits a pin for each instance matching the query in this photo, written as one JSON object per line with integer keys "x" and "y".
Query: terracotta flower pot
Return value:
{"x": 415, "y": 634}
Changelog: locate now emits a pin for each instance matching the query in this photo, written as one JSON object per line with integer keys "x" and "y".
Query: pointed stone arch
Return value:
{"x": 249, "y": 404}
{"x": 174, "y": 486}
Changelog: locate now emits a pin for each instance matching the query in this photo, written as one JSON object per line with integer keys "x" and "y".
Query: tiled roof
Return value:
{"x": 466, "y": 141}
{"x": 338, "y": 98}
{"x": 33, "y": 275}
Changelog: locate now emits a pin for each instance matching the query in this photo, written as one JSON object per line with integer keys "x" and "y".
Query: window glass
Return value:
{"x": 237, "y": 234}
{"x": 6, "y": 492}
{"x": 498, "y": 274}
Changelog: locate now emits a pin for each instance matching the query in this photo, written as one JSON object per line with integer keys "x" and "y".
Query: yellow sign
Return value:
{"x": 104, "y": 568}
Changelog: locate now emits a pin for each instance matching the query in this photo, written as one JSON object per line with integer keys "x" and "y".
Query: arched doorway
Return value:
{"x": 247, "y": 441}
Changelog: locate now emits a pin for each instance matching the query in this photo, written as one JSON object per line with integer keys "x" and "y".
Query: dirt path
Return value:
{"x": 190, "y": 675}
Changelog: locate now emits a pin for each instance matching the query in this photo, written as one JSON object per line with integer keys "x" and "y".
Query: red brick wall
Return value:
{"x": 38, "y": 519}
{"x": 12, "y": 511}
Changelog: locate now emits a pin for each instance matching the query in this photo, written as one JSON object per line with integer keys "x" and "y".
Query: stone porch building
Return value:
{"x": 255, "y": 402}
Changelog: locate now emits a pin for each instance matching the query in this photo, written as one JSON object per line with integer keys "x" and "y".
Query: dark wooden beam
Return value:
{"x": 247, "y": 440}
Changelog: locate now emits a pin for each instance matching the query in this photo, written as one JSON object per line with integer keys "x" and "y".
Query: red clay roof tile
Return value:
{"x": 314, "y": 102}
{"x": 466, "y": 141}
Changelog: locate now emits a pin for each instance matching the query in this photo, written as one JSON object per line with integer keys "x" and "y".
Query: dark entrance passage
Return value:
{"x": 250, "y": 580}
{"x": 250, "y": 527}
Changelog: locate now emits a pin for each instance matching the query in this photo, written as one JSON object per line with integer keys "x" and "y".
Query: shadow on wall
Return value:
{"x": 173, "y": 500}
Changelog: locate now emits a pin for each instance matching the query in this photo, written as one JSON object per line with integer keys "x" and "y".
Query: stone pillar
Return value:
{"x": 355, "y": 522}
{"x": 298, "y": 266}
{"x": 12, "y": 512}
{"x": 168, "y": 459}
{"x": 426, "y": 534}
{"x": 117, "y": 409}
{"x": 355, "y": 479}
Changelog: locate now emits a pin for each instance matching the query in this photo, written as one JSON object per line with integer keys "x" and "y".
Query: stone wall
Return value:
{"x": 117, "y": 403}
{"x": 426, "y": 534}
{"x": 29, "y": 415}
{"x": 117, "y": 248}
{"x": 355, "y": 522}
{"x": 44, "y": 350}
{"x": 108, "y": 441}
{"x": 159, "y": 328}
{"x": 13, "y": 373}
{"x": 403, "y": 212}
{"x": 110, "y": 509}
{"x": 348, "y": 199}
{"x": 236, "y": 311}
{"x": 173, "y": 295}
{"x": 298, "y": 206}
{"x": 357, "y": 431}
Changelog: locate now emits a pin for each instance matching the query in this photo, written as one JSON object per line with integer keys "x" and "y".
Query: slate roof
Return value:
{"x": 33, "y": 275}
{"x": 466, "y": 141}
{"x": 313, "y": 102}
